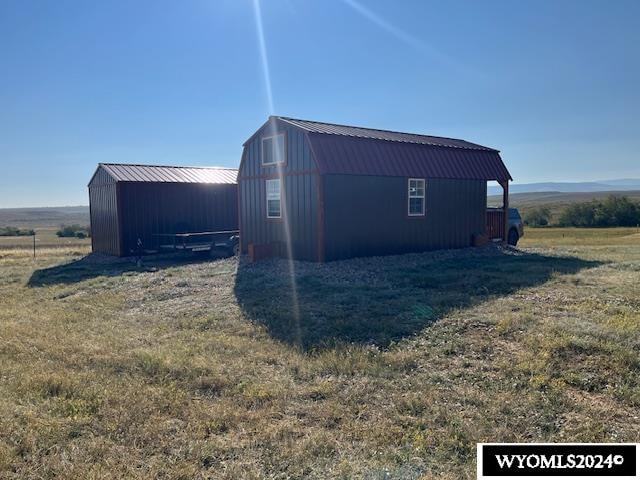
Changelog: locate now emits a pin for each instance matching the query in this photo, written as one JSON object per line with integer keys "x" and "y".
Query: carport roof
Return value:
{"x": 122, "y": 172}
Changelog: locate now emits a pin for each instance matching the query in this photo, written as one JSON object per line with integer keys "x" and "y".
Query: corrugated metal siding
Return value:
{"x": 149, "y": 208}
{"x": 357, "y": 156}
{"x": 101, "y": 177}
{"x": 367, "y": 215}
{"x": 170, "y": 174}
{"x": 373, "y": 133}
{"x": 162, "y": 202}
{"x": 105, "y": 231}
{"x": 300, "y": 195}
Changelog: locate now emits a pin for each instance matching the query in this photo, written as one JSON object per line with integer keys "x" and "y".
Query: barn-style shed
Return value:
{"x": 320, "y": 191}
{"x": 131, "y": 202}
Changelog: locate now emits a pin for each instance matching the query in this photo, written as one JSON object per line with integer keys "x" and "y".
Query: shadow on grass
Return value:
{"x": 93, "y": 266}
{"x": 383, "y": 299}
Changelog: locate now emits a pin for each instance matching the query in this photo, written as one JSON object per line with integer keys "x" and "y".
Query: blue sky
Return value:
{"x": 553, "y": 85}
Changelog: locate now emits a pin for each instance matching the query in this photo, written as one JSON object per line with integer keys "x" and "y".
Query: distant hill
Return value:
{"x": 555, "y": 201}
{"x": 520, "y": 200}
{"x": 56, "y": 216}
{"x": 626, "y": 184}
{"x": 44, "y": 216}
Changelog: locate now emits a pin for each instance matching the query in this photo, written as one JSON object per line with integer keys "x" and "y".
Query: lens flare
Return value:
{"x": 262, "y": 45}
{"x": 408, "y": 39}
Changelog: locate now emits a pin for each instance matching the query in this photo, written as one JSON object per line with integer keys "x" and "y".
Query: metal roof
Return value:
{"x": 337, "y": 154}
{"x": 350, "y": 150}
{"x": 375, "y": 134}
{"x": 121, "y": 172}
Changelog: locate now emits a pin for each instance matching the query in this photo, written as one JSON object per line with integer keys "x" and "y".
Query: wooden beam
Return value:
{"x": 505, "y": 209}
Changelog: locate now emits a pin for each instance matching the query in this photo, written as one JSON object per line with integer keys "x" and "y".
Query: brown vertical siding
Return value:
{"x": 299, "y": 194}
{"x": 299, "y": 215}
{"x": 298, "y": 154}
{"x": 367, "y": 215}
{"x": 105, "y": 230}
{"x": 122, "y": 212}
{"x": 150, "y": 208}
{"x": 345, "y": 190}
{"x": 321, "y": 225}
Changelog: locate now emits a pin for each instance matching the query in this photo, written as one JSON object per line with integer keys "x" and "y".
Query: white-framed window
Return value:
{"x": 273, "y": 149}
{"x": 415, "y": 203}
{"x": 274, "y": 198}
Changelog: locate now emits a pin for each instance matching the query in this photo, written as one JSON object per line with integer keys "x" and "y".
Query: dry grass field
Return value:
{"x": 375, "y": 368}
{"x": 46, "y": 239}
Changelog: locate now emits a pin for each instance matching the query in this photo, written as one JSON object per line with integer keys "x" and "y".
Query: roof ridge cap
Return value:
{"x": 164, "y": 166}
{"x": 474, "y": 147}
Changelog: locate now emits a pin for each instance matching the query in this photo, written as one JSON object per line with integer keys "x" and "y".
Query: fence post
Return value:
{"x": 34, "y": 244}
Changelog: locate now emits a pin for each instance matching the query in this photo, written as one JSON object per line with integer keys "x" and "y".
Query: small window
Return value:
{"x": 273, "y": 150}
{"x": 273, "y": 198}
{"x": 416, "y": 197}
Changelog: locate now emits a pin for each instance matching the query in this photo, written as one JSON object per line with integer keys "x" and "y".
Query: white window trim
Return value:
{"x": 266, "y": 194}
{"x": 284, "y": 149}
{"x": 423, "y": 197}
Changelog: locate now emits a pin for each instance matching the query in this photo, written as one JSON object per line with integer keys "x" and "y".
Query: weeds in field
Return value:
{"x": 190, "y": 370}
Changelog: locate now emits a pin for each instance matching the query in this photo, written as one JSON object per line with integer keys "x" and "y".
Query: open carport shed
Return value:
{"x": 131, "y": 202}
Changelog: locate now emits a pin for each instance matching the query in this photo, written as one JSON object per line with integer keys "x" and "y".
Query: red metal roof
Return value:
{"x": 340, "y": 154}
{"x": 376, "y": 134}
{"x": 344, "y": 149}
{"x": 169, "y": 174}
